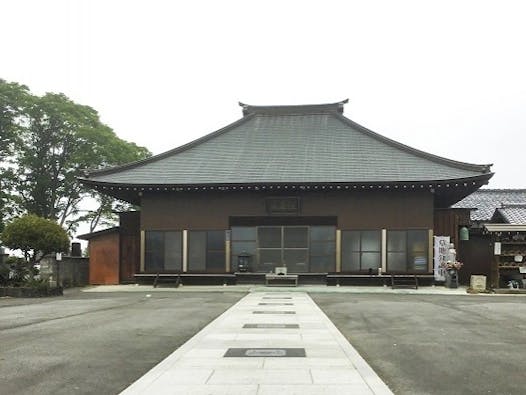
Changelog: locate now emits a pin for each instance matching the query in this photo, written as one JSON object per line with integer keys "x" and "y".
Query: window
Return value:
{"x": 361, "y": 250}
{"x": 197, "y": 251}
{"x": 322, "y": 249}
{"x": 283, "y": 245}
{"x": 243, "y": 241}
{"x": 215, "y": 251}
{"x": 163, "y": 251}
{"x": 296, "y": 248}
{"x": 397, "y": 250}
{"x": 301, "y": 248}
{"x": 206, "y": 250}
{"x": 407, "y": 250}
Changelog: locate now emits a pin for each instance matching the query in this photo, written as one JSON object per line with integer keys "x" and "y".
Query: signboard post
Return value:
{"x": 441, "y": 244}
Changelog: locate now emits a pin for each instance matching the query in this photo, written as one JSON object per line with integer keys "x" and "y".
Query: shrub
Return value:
{"x": 35, "y": 236}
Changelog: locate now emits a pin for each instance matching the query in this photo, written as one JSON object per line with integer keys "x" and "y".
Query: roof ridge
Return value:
{"x": 336, "y": 107}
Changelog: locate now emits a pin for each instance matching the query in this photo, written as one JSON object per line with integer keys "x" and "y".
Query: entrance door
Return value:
{"x": 283, "y": 246}
{"x": 302, "y": 248}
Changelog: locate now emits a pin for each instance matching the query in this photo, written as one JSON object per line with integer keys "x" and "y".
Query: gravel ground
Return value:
{"x": 99, "y": 343}
{"x": 420, "y": 344}
{"x": 95, "y": 343}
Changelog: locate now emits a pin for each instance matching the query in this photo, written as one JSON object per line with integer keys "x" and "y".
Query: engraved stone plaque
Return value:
{"x": 265, "y": 352}
{"x": 273, "y": 312}
{"x": 277, "y": 297}
{"x": 276, "y": 304}
{"x": 272, "y": 326}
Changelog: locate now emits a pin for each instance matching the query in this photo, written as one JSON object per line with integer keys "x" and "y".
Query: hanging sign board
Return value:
{"x": 497, "y": 248}
{"x": 441, "y": 244}
{"x": 282, "y": 205}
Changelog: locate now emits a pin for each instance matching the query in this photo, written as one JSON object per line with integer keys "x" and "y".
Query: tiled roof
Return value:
{"x": 294, "y": 144}
{"x": 510, "y": 203}
{"x": 513, "y": 215}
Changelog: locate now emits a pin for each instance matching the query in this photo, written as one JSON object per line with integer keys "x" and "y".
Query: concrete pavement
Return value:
{"x": 428, "y": 290}
{"x": 289, "y": 323}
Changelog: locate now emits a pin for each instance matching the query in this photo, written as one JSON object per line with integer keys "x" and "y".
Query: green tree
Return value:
{"x": 35, "y": 237}
{"x": 57, "y": 140}
{"x": 14, "y": 99}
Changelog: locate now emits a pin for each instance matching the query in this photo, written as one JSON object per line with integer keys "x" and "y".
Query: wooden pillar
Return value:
{"x": 384, "y": 250}
{"x": 185, "y": 251}
{"x": 338, "y": 250}
{"x": 227, "y": 252}
{"x": 430, "y": 262}
{"x": 142, "y": 250}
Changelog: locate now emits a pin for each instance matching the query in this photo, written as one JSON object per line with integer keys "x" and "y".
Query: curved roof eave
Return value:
{"x": 430, "y": 183}
{"x": 182, "y": 148}
{"x": 484, "y": 168}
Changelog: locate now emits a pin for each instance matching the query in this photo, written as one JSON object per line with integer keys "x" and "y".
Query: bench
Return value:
{"x": 281, "y": 280}
{"x": 404, "y": 281}
{"x": 369, "y": 279}
{"x": 192, "y": 278}
{"x": 396, "y": 280}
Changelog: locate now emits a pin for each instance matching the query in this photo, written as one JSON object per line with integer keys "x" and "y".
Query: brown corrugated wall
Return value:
{"x": 104, "y": 259}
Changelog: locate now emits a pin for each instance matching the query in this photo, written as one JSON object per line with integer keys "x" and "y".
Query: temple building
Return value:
{"x": 301, "y": 187}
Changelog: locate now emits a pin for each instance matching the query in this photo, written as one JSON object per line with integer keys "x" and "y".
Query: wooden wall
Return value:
{"x": 475, "y": 253}
{"x": 448, "y": 221}
{"x": 129, "y": 245}
{"x": 477, "y": 256}
{"x": 354, "y": 210}
{"x": 104, "y": 259}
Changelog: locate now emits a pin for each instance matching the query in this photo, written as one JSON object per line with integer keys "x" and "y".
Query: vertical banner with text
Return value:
{"x": 441, "y": 256}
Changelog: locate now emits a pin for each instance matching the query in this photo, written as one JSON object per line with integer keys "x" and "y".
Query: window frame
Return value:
{"x": 147, "y": 251}
{"x": 407, "y": 251}
{"x": 361, "y": 250}
{"x": 207, "y": 263}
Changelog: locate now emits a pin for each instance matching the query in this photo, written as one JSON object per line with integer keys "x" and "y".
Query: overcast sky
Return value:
{"x": 447, "y": 77}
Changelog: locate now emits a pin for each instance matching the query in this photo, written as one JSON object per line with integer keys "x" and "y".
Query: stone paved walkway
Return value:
{"x": 330, "y": 365}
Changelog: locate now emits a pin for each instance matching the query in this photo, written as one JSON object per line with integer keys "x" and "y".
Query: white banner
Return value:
{"x": 441, "y": 256}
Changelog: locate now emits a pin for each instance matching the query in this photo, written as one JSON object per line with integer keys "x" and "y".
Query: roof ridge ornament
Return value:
{"x": 294, "y": 109}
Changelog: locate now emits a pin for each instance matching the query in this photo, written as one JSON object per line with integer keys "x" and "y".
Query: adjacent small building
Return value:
{"x": 497, "y": 243}
{"x": 296, "y": 186}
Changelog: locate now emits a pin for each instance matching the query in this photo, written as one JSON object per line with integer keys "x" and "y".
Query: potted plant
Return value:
{"x": 452, "y": 268}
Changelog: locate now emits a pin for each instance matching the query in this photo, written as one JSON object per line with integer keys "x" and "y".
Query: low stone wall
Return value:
{"x": 71, "y": 271}
{"x": 22, "y": 292}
